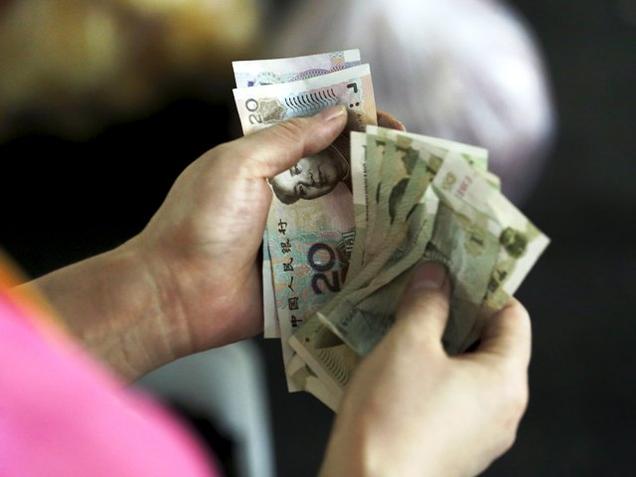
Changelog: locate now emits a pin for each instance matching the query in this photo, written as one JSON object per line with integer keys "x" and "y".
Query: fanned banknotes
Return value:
{"x": 310, "y": 224}
{"x": 346, "y": 227}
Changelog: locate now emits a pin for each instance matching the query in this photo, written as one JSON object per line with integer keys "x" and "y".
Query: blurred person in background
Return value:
{"x": 191, "y": 281}
{"x": 467, "y": 70}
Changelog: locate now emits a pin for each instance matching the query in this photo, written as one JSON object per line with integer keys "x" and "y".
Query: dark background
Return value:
{"x": 66, "y": 200}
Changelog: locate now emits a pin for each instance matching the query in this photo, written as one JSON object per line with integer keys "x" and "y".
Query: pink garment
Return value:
{"x": 63, "y": 415}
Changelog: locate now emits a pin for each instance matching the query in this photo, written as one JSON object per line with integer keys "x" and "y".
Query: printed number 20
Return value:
{"x": 323, "y": 269}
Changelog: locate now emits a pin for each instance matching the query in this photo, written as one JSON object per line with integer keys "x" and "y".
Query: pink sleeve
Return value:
{"x": 62, "y": 414}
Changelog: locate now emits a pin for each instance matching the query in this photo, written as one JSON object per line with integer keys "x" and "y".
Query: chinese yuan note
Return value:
{"x": 310, "y": 227}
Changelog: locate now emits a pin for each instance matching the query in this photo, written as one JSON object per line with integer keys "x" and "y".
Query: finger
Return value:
{"x": 508, "y": 335}
{"x": 424, "y": 307}
{"x": 387, "y": 120}
{"x": 273, "y": 150}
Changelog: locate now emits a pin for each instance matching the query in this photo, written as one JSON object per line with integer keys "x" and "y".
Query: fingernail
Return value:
{"x": 429, "y": 276}
{"x": 334, "y": 112}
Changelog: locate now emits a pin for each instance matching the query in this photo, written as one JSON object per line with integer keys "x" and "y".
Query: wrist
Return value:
{"x": 109, "y": 303}
{"x": 155, "y": 301}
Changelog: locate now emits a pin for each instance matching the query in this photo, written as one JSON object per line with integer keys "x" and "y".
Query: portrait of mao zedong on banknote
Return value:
{"x": 311, "y": 177}
{"x": 514, "y": 241}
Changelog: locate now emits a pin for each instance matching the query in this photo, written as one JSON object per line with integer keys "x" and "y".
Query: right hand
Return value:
{"x": 412, "y": 410}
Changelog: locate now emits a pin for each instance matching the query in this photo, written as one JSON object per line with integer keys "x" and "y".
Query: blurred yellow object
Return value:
{"x": 73, "y": 62}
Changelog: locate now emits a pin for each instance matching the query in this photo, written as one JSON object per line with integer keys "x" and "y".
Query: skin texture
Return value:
{"x": 411, "y": 410}
{"x": 190, "y": 281}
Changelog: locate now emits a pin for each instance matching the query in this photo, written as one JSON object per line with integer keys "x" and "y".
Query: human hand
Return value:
{"x": 201, "y": 246}
{"x": 412, "y": 410}
{"x": 190, "y": 280}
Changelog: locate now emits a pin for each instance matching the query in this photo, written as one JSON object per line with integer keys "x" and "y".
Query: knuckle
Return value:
{"x": 508, "y": 440}
{"x": 425, "y": 300}
{"x": 429, "y": 303}
{"x": 422, "y": 313}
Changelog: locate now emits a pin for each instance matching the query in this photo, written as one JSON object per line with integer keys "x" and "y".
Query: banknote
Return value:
{"x": 520, "y": 241}
{"x": 414, "y": 165}
{"x": 360, "y": 198}
{"x": 464, "y": 235}
{"x": 374, "y": 157}
{"x": 363, "y": 311}
{"x": 271, "y": 329}
{"x": 310, "y": 226}
{"x": 476, "y": 157}
{"x": 466, "y": 239}
{"x": 308, "y": 244}
{"x": 416, "y": 210}
{"x": 261, "y": 106}
{"x": 286, "y": 70}
{"x": 466, "y": 242}
{"x": 362, "y": 317}
{"x": 383, "y": 173}
{"x": 274, "y": 71}
{"x": 470, "y": 274}
{"x": 328, "y": 358}
{"x": 306, "y": 379}
{"x": 326, "y": 355}
{"x": 404, "y": 199}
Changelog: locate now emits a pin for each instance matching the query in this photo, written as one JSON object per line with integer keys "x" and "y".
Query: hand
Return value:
{"x": 411, "y": 410}
{"x": 190, "y": 280}
{"x": 201, "y": 246}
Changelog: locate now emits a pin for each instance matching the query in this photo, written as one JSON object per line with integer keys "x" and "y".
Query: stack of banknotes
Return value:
{"x": 347, "y": 226}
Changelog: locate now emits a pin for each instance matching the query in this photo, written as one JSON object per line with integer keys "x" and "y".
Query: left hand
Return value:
{"x": 200, "y": 248}
{"x": 190, "y": 280}
{"x": 202, "y": 244}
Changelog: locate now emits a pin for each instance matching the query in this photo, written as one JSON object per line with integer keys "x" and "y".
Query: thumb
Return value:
{"x": 275, "y": 149}
{"x": 424, "y": 308}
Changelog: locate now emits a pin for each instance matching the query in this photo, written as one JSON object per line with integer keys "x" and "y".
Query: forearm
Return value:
{"x": 111, "y": 304}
